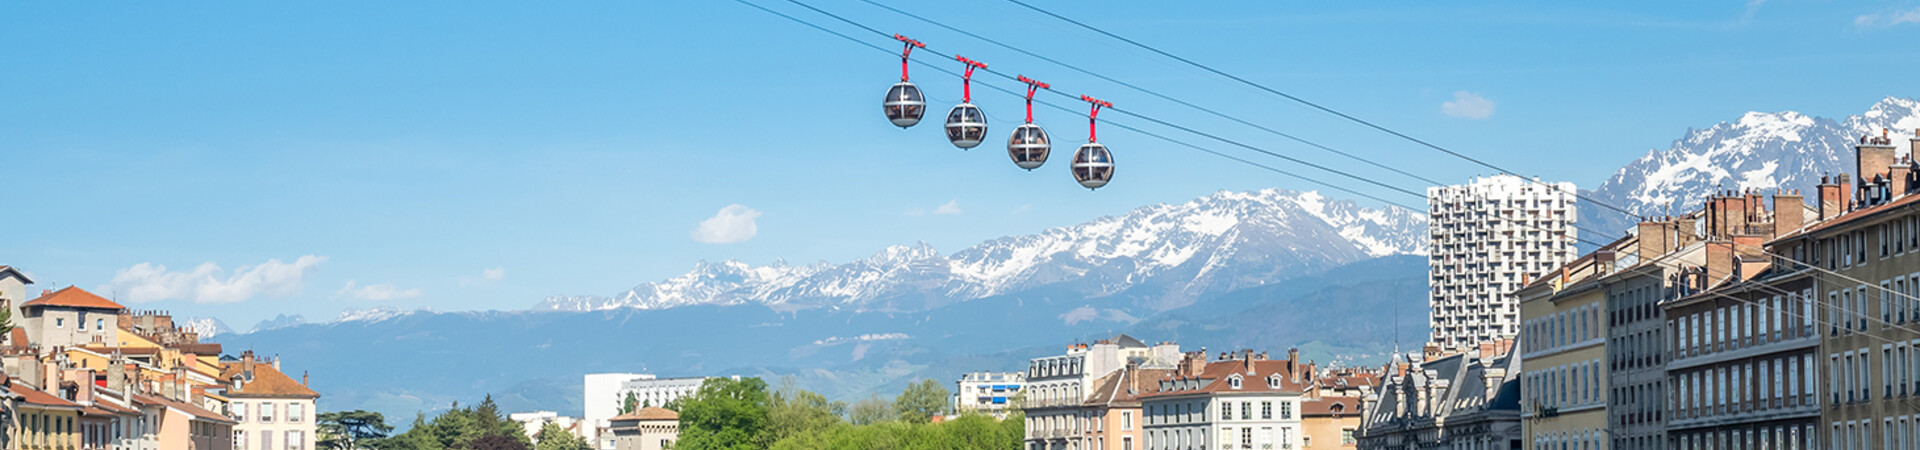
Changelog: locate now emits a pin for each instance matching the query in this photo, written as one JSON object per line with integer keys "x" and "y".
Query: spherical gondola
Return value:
{"x": 1092, "y": 165}
{"x": 1029, "y": 146}
{"x": 966, "y": 126}
{"x": 904, "y": 105}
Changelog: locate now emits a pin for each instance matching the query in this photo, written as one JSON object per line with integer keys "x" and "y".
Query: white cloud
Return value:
{"x": 494, "y": 274}
{"x": 951, "y": 208}
{"x": 732, "y": 224}
{"x": 1887, "y": 19}
{"x": 208, "y": 283}
{"x": 1466, "y": 104}
{"x": 377, "y": 292}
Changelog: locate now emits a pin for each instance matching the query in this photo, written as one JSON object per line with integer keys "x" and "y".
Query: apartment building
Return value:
{"x": 1241, "y": 400}
{"x": 1745, "y": 358}
{"x": 1468, "y": 400}
{"x": 274, "y": 411}
{"x": 987, "y": 392}
{"x": 1864, "y": 262}
{"x": 1563, "y": 354}
{"x": 1487, "y": 237}
{"x": 1058, "y": 387}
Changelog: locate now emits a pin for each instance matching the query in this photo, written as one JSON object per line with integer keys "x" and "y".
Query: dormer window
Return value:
{"x": 1233, "y": 381}
{"x": 1273, "y": 381}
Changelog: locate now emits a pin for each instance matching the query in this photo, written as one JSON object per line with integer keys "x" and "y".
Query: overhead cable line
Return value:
{"x": 1151, "y": 92}
{"x": 1342, "y": 173}
{"x": 1315, "y": 105}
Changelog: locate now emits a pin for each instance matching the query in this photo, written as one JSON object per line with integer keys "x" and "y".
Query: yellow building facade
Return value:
{"x": 1563, "y": 355}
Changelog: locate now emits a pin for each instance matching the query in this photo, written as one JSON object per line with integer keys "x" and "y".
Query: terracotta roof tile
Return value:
{"x": 189, "y": 408}
{"x": 73, "y": 297}
{"x": 267, "y": 382}
{"x": 34, "y": 396}
{"x": 1214, "y": 378}
{"x": 649, "y": 413}
{"x": 1349, "y": 406}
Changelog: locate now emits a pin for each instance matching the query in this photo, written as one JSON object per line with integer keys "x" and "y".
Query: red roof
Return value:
{"x": 1324, "y": 406}
{"x": 649, "y": 413}
{"x": 1851, "y": 216}
{"x": 1214, "y": 378}
{"x": 34, "y": 396}
{"x": 73, "y": 297}
{"x": 188, "y": 408}
{"x": 267, "y": 382}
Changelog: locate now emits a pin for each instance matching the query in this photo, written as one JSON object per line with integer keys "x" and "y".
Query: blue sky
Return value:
{"x": 243, "y": 160}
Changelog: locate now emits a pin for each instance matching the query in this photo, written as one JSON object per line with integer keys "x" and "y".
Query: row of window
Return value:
{"x": 293, "y": 440}
{"x": 1230, "y": 438}
{"x": 1742, "y": 325}
{"x": 1565, "y": 386}
{"x": 1895, "y": 433}
{"x": 1850, "y": 309}
{"x": 1190, "y": 412}
{"x": 1563, "y": 328}
{"x": 1852, "y": 376}
{"x": 1777, "y": 437}
{"x": 296, "y": 412}
{"x": 1739, "y": 388}
{"x": 1568, "y": 440}
{"x": 98, "y": 324}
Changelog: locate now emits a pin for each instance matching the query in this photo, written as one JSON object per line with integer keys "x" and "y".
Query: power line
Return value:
{"x": 1312, "y": 104}
{"x": 1151, "y": 92}
{"x": 1151, "y": 119}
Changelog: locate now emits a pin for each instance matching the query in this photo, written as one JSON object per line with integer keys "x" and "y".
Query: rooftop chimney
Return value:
{"x": 1720, "y": 261}
{"x": 1653, "y": 240}
{"x": 1897, "y": 179}
{"x": 1830, "y": 199}
{"x": 1789, "y": 212}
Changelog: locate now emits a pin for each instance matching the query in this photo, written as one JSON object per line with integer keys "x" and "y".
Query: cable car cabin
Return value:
{"x": 1092, "y": 165}
{"x": 1029, "y": 146}
{"x": 904, "y": 105}
{"x": 966, "y": 126}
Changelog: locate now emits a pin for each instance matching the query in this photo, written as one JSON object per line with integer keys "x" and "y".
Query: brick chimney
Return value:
{"x": 1653, "y": 240}
{"x": 1789, "y": 212}
{"x": 1897, "y": 183}
{"x": 1735, "y": 213}
{"x": 1830, "y": 199}
{"x": 1872, "y": 157}
{"x": 246, "y": 364}
{"x": 1684, "y": 232}
{"x": 1293, "y": 364}
{"x": 1846, "y": 195}
{"x": 1720, "y": 261}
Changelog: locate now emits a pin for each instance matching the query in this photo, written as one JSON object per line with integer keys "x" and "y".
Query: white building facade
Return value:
{"x": 1487, "y": 238}
{"x": 1246, "y": 402}
{"x": 987, "y": 392}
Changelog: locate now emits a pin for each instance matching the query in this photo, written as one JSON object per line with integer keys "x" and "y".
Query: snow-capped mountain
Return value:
{"x": 206, "y": 327}
{"x": 1161, "y": 256}
{"x": 1760, "y": 150}
{"x": 374, "y": 314}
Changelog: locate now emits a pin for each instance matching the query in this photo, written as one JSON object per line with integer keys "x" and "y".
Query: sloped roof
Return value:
{"x": 1124, "y": 387}
{"x": 73, "y": 297}
{"x": 1324, "y": 406}
{"x": 267, "y": 382}
{"x": 5, "y": 269}
{"x": 649, "y": 413}
{"x": 188, "y": 408}
{"x": 37, "y": 398}
{"x": 1214, "y": 378}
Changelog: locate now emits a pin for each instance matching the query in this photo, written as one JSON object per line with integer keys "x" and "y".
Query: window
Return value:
{"x": 1346, "y": 436}
{"x": 266, "y": 440}
{"x": 296, "y": 440}
{"x": 1126, "y": 420}
{"x": 1286, "y": 410}
{"x": 59, "y": 322}
{"x": 1234, "y": 381}
{"x": 1246, "y": 410}
{"x": 266, "y": 413}
{"x": 296, "y": 412}
{"x": 1226, "y": 410}
{"x": 240, "y": 411}
{"x": 1246, "y": 437}
{"x": 1266, "y": 410}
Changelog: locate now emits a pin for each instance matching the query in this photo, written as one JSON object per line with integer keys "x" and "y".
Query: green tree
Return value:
{"x": 552, "y": 437}
{"x": 872, "y": 410}
{"x": 796, "y": 411}
{"x": 488, "y": 421}
{"x": 351, "y": 430}
{"x": 498, "y": 442}
{"x": 455, "y": 428}
{"x": 921, "y": 401}
{"x": 630, "y": 404}
{"x": 418, "y": 437}
{"x": 725, "y": 415}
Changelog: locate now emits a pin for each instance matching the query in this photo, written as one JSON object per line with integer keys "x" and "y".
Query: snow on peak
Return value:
{"x": 1758, "y": 151}
{"x": 1200, "y": 245}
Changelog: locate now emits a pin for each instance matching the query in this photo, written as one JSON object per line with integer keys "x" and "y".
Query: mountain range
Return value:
{"x": 1160, "y": 256}
{"x": 1760, "y": 150}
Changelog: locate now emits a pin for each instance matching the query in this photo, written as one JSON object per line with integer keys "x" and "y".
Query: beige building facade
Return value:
{"x": 1563, "y": 356}
{"x": 646, "y": 429}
